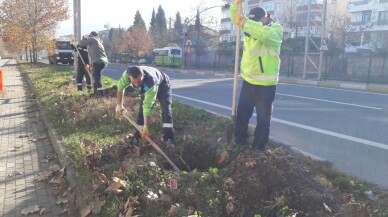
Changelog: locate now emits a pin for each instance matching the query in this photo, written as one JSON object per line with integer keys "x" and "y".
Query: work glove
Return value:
{"x": 239, "y": 19}
{"x": 119, "y": 109}
{"x": 87, "y": 67}
{"x": 72, "y": 41}
{"x": 144, "y": 132}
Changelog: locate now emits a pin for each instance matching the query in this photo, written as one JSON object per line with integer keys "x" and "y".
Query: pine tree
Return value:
{"x": 161, "y": 28}
{"x": 178, "y": 28}
{"x": 138, "y": 21}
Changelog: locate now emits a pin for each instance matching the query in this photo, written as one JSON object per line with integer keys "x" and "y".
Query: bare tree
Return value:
{"x": 339, "y": 26}
{"x": 289, "y": 18}
{"x": 31, "y": 23}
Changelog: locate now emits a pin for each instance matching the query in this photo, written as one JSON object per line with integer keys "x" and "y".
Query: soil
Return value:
{"x": 222, "y": 180}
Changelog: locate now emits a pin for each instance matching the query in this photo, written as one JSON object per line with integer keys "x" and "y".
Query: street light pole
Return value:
{"x": 77, "y": 26}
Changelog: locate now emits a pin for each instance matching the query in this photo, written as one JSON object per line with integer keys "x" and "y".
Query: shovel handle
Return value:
{"x": 153, "y": 144}
{"x": 236, "y": 66}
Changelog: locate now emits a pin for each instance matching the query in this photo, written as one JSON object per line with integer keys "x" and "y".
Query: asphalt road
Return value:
{"x": 346, "y": 127}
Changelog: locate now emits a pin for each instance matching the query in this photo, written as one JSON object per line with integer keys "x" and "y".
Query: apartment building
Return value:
{"x": 368, "y": 28}
{"x": 292, "y": 14}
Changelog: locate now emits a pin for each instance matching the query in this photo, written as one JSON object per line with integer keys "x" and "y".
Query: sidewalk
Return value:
{"x": 24, "y": 143}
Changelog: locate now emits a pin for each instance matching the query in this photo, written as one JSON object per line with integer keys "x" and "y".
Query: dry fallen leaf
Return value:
{"x": 173, "y": 209}
{"x": 43, "y": 211}
{"x": 250, "y": 164}
{"x": 223, "y": 157}
{"x": 43, "y": 175}
{"x": 62, "y": 200}
{"x": 129, "y": 212}
{"x": 30, "y": 210}
{"x": 15, "y": 173}
{"x": 97, "y": 206}
{"x": 118, "y": 174}
{"x": 116, "y": 185}
{"x": 86, "y": 211}
{"x": 131, "y": 201}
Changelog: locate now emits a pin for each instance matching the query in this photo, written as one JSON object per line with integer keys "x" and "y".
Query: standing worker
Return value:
{"x": 260, "y": 65}
{"x": 82, "y": 66}
{"x": 152, "y": 84}
{"x": 98, "y": 59}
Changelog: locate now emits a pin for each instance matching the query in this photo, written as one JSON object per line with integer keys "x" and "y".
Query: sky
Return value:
{"x": 97, "y": 13}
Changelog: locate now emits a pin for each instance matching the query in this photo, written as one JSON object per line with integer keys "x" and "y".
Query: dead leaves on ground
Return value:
{"x": 33, "y": 209}
{"x": 94, "y": 207}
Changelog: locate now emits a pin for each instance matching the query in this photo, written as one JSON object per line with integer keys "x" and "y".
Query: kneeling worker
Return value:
{"x": 152, "y": 84}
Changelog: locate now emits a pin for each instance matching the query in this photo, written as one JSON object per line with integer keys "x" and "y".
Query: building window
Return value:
{"x": 383, "y": 18}
{"x": 366, "y": 16}
{"x": 383, "y": 15}
{"x": 269, "y": 6}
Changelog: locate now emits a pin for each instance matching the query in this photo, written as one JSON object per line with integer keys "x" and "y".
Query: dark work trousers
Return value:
{"x": 81, "y": 72}
{"x": 97, "y": 73}
{"x": 165, "y": 100}
{"x": 261, "y": 98}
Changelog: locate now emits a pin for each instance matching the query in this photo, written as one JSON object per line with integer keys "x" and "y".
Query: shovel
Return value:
{"x": 86, "y": 68}
{"x": 153, "y": 144}
{"x": 230, "y": 127}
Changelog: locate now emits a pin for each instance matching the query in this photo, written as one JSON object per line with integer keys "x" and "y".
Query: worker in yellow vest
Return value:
{"x": 260, "y": 65}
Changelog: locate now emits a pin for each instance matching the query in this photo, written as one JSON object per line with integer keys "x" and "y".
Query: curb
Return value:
{"x": 71, "y": 172}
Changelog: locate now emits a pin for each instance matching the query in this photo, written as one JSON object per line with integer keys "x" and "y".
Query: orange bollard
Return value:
{"x": 1, "y": 80}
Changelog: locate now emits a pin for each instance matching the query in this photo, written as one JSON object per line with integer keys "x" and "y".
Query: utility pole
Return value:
{"x": 77, "y": 27}
{"x": 323, "y": 35}
{"x": 306, "y": 48}
{"x": 307, "y": 54}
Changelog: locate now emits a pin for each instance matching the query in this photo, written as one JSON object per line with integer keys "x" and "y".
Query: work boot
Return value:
{"x": 170, "y": 145}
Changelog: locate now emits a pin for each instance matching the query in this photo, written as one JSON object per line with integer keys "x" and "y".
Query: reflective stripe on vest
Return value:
{"x": 264, "y": 77}
{"x": 167, "y": 125}
{"x": 263, "y": 52}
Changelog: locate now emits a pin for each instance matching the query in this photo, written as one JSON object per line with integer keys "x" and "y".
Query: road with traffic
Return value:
{"x": 346, "y": 127}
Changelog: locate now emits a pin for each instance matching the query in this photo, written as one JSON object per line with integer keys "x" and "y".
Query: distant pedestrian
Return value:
{"x": 153, "y": 85}
{"x": 82, "y": 66}
{"x": 98, "y": 59}
{"x": 260, "y": 65}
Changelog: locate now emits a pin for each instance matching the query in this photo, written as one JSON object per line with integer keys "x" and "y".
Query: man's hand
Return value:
{"x": 239, "y": 19}
{"x": 144, "y": 132}
{"x": 72, "y": 41}
{"x": 239, "y": 1}
{"x": 87, "y": 67}
{"x": 119, "y": 109}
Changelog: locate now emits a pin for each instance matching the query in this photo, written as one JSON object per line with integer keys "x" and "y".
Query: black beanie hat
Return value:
{"x": 257, "y": 13}
{"x": 93, "y": 34}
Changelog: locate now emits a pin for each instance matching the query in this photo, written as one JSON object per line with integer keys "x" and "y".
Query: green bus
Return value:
{"x": 168, "y": 56}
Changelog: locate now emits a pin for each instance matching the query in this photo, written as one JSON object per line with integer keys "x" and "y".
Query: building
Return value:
{"x": 368, "y": 28}
{"x": 292, "y": 14}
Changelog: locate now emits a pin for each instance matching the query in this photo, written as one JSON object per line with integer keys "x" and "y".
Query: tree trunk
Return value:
{"x": 26, "y": 53}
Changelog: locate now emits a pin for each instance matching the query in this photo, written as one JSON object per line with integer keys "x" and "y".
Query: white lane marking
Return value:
{"x": 324, "y": 100}
{"x": 338, "y": 89}
{"x": 314, "y": 129}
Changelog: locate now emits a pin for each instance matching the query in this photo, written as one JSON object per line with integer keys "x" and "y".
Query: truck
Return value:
{"x": 60, "y": 51}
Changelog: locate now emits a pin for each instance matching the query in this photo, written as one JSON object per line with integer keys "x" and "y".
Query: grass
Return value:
{"x": 79, "y": 118}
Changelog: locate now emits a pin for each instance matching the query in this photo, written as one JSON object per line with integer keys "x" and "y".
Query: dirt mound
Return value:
{"x": 270, "y": 180}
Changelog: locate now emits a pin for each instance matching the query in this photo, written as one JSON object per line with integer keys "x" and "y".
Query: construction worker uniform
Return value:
{"x": 99, "y": 61}
{"x": 155, "y": 85}
{"x": 81, "y": 71}
{"x": 260, "y": 65}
